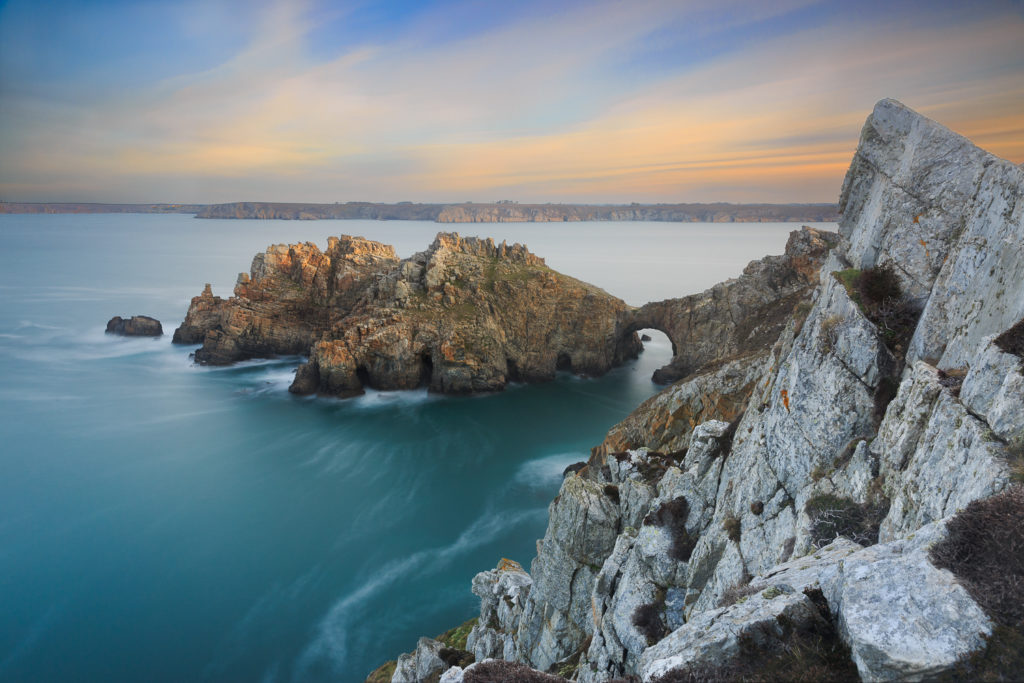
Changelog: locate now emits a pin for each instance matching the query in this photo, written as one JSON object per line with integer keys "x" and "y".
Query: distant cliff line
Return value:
{"x": 90, "y": 207}
{"x": 500, "y": 212}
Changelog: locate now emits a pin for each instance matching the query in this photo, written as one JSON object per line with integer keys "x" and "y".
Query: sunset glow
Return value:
{"x": 590, "y": 102}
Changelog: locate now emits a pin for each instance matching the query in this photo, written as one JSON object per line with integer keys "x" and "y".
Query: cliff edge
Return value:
{"x": 843, "y": 503}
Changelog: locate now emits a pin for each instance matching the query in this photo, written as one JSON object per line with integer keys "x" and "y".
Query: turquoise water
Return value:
{"x": 161, "y": 521}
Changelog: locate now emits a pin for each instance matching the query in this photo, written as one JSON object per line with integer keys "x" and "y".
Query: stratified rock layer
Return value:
{"x": 843, "y": 454}
{"x": 466, "y": 315}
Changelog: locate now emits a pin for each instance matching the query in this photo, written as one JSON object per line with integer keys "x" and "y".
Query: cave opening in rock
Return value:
{"x": 363, "y": 375}
{"x": 426, "y": 369}
{"x": 512, "y": 371}
{"x": 564, "y": 362}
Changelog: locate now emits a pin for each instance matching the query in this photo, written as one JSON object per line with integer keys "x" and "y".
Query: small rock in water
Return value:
{"x": 136, "y": 326}
{"x": 645, "y": 337}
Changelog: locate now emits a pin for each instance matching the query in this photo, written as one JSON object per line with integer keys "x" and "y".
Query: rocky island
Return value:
{"x": 843, "y": 501}
{"x": 466, "y": 315}
{"x": 135, "y": 326}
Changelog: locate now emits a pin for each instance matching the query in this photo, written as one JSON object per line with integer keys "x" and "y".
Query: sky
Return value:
{"x": 203, "y": 101}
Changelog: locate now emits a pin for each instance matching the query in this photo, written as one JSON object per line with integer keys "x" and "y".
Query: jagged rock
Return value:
{"x": 502, "y": 592}
{"x": 903, "y": 618}
{"x": 994, "y": 390}
{"x": 466, "y": 315}
{"x": 738, "y": 317}
{"x": 935, "y": 457}
{"x": 714, "y": 637}
{"x": 421, "y": 664}
{"x": 664, "y": 421}
{"x": 841, "y": 433}
{"x": 135, "y": 326}
{"x": 949, "y": 216}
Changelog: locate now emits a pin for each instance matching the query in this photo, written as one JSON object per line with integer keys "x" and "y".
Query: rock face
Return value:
{"x": 739, "y": 317}
{"x": 466, "y": 315}
{"x": 803, "y": 483}
{"x": 135, "y": 326}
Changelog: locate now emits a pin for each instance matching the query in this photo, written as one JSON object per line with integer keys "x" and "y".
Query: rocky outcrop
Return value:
{"x": 135, "y": 326}
{"x": 884, "y": 408}
{"x": 466, "y": 315}
{"x": 740, "y": 317}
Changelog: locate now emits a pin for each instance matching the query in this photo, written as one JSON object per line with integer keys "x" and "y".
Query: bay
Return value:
{"x": 162, "y": 521}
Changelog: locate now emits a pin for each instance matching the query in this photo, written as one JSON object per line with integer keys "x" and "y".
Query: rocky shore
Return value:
{"x": 833, "y": 494}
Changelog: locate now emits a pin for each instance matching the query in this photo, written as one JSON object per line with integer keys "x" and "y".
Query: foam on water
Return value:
{"x": 331, "y": 641}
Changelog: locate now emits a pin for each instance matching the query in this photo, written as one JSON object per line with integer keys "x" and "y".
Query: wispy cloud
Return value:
{"x": 540, "y": 107}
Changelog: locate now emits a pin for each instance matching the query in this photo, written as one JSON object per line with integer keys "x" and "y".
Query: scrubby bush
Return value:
{"x": 738, "y": 592}
{"x": 1012, "y": 341}
{"x": 805, "y": 653}
{"x": 984, "y": 548}
{"x": 732, "y": 527}
{"x": 729, "y": 436}
{"x": 612, "y": 491}
{"x": 647, "y": 619}
{"x": 878, "y": 293}
{"x": 672, "y": 516}
{"x": 953, "y": 379}
{"x": 456, "y": 657}
{"x": 500, "y": 671}
{"x": 832, "y": 516}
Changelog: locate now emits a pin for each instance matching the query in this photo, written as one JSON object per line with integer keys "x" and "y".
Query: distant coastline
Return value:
{"x": 498, "y": 212}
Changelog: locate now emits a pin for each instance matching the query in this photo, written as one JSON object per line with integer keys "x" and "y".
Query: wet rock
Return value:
{"x": 135, "y": 326}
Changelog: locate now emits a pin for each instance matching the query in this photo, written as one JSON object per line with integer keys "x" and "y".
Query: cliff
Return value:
{"x": 842, "y": 503}
{"x": 466, "y": 315}
{"x": 511, "y": 212}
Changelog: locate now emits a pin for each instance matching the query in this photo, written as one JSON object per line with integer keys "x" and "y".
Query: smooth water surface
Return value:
{"x": 161, "y": 521}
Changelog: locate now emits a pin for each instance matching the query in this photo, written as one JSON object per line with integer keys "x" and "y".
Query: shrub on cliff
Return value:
{"x": 1012, "y": 341}
{"x": 804, "y": 653}
{"x": 984, "y": 548}
{"x": 499, "y": 671}
{"x": 833, "y": 516}
{"x": 647, "y": 619}
{"x": 672, "y": 516}
{"x": 878, "y": 293}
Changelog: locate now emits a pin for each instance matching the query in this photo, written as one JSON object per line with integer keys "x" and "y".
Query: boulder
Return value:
{"x": 135, "y": 326}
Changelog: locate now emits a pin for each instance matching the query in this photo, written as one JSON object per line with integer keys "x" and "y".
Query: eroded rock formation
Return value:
{"x": 135, "y": 326}
{"x": 799, "y": 489}
{"x": 466, "y": 315}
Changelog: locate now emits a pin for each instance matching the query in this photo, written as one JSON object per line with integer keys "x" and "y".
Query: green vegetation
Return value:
{"x": 456, "y": 637}
{"x": 383, "y": 673}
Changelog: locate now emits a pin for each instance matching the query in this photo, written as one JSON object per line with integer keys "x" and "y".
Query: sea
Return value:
{"x": 163, "y": 521}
